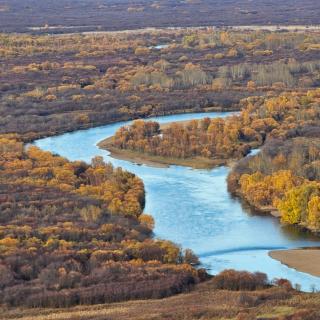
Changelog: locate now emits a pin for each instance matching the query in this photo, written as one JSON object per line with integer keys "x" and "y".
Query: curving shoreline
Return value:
{"x": 305, "y": 260}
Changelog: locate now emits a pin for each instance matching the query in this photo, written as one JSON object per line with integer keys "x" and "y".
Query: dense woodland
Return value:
{"x": 73, "y": 233}
{"x": 216, "y": 138}
{"x": 57, "y": 83}
{"x": 284, "y": 176}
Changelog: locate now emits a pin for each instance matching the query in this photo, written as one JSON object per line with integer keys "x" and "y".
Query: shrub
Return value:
{"x": 240, "y": 280}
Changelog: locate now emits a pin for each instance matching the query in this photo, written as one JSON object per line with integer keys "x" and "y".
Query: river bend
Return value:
{"x": 193, "y": 208}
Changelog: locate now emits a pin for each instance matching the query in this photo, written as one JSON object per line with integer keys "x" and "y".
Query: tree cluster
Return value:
{"x": 284, "y": 175}
{"x": 73, "y": 233}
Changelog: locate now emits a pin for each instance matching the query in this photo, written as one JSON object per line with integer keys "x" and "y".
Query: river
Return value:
{"x": 193, "y": 208}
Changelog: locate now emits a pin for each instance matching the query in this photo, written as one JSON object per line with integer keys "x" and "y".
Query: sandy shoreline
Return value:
{"x": 304, "y": 260}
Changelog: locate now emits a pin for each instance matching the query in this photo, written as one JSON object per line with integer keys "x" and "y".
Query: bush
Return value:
{"x": 240, "y": 280}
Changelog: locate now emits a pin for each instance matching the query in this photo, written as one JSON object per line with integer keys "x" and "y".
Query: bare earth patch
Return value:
{"x": 304, "y": 260}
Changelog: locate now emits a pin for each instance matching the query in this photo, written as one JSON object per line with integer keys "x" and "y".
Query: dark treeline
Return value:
{"x": 231, "y": 295}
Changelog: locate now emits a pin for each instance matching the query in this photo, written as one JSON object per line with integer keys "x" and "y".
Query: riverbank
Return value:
{"x": 268, "y": 210}
{"x": 157, "y": 161}
{"x": 303, "y": 260}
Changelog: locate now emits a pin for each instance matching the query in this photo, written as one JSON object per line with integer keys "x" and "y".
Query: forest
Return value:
{"x": 73, "y": 233}
{"x": 284, "y": 176}
{"x": 206, "y": 138}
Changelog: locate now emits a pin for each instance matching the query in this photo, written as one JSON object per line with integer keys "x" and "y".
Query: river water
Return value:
{"x": 193, "y": 208}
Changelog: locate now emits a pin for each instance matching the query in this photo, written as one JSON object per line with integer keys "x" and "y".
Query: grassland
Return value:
{"x": 203, "y": 303}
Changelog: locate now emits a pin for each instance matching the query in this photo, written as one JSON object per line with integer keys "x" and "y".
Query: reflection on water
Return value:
{"x": 194, "y": 209}
{"x": 295, "y": 233}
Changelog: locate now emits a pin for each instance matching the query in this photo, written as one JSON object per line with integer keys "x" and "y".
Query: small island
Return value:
{"x": 195, "y": 162}
{"x": 158, "y": 161}
{"x": 195, "y": 143}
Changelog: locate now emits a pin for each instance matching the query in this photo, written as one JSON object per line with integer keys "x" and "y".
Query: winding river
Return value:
{"x": 193, "y": 208}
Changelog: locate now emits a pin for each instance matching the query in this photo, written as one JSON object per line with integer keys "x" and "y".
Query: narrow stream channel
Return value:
{"x": 194, "y": 209}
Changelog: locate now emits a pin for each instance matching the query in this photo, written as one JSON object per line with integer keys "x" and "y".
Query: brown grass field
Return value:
{"x": 202, "y": 303}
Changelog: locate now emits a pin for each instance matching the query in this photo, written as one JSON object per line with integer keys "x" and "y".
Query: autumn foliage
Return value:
{"x": 73, "y": 233}
{"x": 53, "y": 84}
{"x": 232, "y": 137}
{"x": 208, "y": 138}
{"x": 279, "y": 178}
{"x": 240, "y": 280}
{"x": 284, "y": 176}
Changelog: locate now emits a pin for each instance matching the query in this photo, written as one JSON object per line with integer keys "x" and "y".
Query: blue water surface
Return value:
{"x": 193, "y": 208}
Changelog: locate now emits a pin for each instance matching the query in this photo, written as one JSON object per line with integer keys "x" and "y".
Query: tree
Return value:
{"x": 294, "y": 206}
{"x": 91, "y": 213}
{"x": 314, "y": 212}
{"x": 190, "y": 257}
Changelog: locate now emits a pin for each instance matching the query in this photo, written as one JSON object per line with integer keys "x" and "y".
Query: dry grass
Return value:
{"x": 202, "y": 303}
